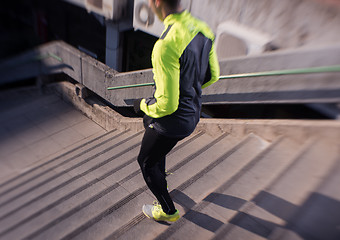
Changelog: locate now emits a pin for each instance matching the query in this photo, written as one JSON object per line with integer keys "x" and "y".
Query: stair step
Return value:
{"x": 223, "y": 168}
{"x": 177, "y": 153}
{"x": 65, "y": 220}
{"x": 137, "y": 185}
{"x": 240, "y": 194}
{"x": 279, "y": 202}
{"x": 49, "y": 164}
{"x": 53, "y": 173}
{"x": 318, "y": 217}
{"x": 204, "y": 218}
{"x": 136, "y": 181}
{"x": 117, "y": 217}
{"x": 74, "y": 187}
{"x": 84, "y": 220}
{"x": 136, "y": 195}
{"x": 188, "y": 176}
{"x": 71, "y": 200}
{"x": 55, "y": 195}
{"x": 17, "y": 105}
{"x": 129, "y": 169}
{"x": 182, "y": 171}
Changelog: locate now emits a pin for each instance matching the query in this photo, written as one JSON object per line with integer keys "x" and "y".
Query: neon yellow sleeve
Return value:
{"x": 214, "y": 67}
{"x": 166, "y": 69}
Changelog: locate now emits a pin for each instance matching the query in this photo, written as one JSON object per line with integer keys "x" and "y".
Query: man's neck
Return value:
{"x": 167, "y": 11}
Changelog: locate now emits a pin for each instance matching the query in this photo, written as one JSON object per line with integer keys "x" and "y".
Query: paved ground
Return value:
{"x": 36, "y": 126}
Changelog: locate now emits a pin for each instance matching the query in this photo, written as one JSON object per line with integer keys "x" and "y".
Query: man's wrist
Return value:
{"x": 136, "y": 107}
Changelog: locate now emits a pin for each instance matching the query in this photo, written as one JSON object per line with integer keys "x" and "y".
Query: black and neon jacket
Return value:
{"x": 184, "y": 61}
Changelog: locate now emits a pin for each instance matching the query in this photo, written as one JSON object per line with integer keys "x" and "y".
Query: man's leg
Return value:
{"x": 152, "y": 161}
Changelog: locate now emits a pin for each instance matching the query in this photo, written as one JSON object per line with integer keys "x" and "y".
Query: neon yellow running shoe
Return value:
{"x": 155, "y": 212}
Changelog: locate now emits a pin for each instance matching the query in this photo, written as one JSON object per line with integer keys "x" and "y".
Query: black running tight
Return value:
{"x": 151, "y": 160}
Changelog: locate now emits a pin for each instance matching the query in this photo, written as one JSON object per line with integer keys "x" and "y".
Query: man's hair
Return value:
{"x": 173, "y": 3}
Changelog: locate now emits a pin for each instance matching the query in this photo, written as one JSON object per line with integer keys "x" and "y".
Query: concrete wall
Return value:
{"x": 290, "y": 23}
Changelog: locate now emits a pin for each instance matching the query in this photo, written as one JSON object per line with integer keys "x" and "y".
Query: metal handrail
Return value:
{"x": 324, "y": 69}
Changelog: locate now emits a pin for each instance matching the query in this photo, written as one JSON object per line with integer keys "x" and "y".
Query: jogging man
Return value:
{"x": 184, "y": 61}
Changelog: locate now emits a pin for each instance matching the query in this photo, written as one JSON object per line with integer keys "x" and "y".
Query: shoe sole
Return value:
{"x": 159, "y": 221}
{"x": 147, "y": 215}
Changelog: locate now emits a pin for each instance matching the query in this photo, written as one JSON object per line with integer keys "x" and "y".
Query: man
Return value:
{"x": 184, "y": 61}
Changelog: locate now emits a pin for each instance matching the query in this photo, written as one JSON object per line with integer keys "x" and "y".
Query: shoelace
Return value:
{"x": 158, "y": 207}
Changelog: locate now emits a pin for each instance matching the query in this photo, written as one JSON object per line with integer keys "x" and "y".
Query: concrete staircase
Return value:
{"x": 231, "y": 180}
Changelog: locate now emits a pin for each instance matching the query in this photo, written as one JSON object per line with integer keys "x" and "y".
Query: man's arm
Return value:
{"x": 166, "y": 69}
{"x": 214, "y": 67}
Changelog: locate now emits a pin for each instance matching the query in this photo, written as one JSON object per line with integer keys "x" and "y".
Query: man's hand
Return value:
{"x": 136, "y": 107}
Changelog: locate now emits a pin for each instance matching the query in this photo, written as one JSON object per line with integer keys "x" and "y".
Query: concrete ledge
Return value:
{"x": 298, "y": 130}
{"x": 95, "y": 109}
{"x": 268, "y": 129}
